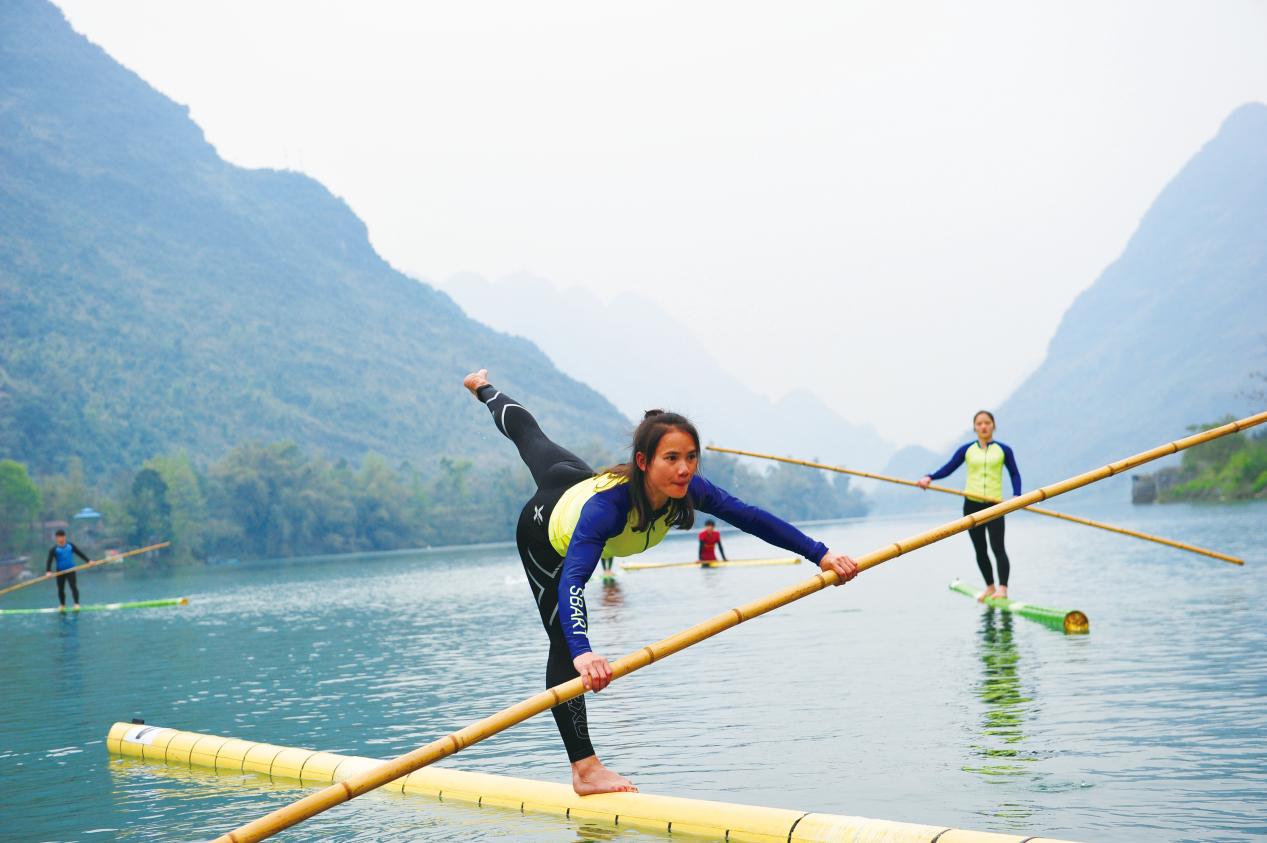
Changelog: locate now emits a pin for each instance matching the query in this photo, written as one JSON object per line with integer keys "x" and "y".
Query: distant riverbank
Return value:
{"x": 1233, "y": 468}
{"x": 276, "y": 500}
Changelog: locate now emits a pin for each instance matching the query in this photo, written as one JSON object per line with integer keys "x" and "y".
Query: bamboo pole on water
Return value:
{"x": 1048, "y": 512}
{"x": 715, "y": 563}
{"x": 388, "y": 771}
{"x": 84, "y": 567}
{"x": 647, "y": 566}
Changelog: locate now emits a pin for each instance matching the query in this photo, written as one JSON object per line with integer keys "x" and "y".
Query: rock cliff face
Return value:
{"x": 1148, "y": 488}
{"x": 1169, "y": 334}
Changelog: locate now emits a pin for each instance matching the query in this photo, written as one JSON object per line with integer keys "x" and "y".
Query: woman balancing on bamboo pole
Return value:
{"x": 578, "y": 516}
{"x": 983, "y": 488}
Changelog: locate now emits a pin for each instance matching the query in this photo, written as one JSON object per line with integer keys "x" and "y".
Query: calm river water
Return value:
{"x": 891, "y": 697}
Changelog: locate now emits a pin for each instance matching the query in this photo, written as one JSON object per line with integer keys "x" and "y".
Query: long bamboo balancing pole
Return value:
{"x": 340, "y": 792}
{"x": 84, "y": 567}
{"x": 1048, "y": 512}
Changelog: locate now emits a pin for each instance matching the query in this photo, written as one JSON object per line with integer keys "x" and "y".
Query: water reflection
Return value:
{"x": 382, "y": 815}
{"x": 1002, "y": 752}
{"x": 613, "y": 597}
{"x": 67, "y": 666}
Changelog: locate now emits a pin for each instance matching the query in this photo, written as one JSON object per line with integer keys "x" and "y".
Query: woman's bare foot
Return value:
{"x": 986, "y": 595}
{"x": 1000, "y": 593}
{"x": 475, "y": 380}
{"x": 589, "y": 776}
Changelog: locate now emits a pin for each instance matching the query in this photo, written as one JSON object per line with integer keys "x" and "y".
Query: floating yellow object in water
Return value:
{"x": 720, "y": 563}
{"x": 665, "y": 814}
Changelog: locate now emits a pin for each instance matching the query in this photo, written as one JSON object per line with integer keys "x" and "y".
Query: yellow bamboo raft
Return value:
{"x": 666, "y": 814}
{"x": 719, "y": 563}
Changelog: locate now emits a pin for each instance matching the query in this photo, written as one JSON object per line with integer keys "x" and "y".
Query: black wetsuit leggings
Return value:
{"x": 61, "y": 588}
{"x": 555, "y": 470}
{"x": 995, "y": 530}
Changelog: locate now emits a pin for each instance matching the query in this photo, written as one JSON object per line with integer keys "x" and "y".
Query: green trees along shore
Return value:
{"x": 1229, "y": 469}
{"x": 276, "y": 500}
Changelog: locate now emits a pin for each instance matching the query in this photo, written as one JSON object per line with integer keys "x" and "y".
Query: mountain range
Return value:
{"x": 641, "y": 357}
{"x": 1169, "y": 334}
{"x": 157, "y": 298}
{"x": 1167, "y": 337}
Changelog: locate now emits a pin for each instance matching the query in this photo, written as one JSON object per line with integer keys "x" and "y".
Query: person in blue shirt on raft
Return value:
{"x": 983, "y": 488}
{"x": 63, "y": 553}
{"x": 578, "y": 516}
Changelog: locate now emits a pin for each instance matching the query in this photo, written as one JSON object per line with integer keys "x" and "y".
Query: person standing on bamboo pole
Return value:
{"x": 983, "y": 488}
{"x": 63, "y": 553}
{"x": 578, "y": 516}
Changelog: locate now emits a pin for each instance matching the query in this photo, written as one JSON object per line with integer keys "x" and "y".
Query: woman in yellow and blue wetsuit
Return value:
{"x": 986, "y": 460}
{"x": 578, "y": 516}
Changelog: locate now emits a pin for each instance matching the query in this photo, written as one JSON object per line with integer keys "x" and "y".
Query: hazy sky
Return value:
{"x": 891, "y": 203}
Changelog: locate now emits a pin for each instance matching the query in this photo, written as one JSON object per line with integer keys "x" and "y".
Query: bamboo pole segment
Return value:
{"x": 647, "y": 566}
{"x": 720, "y": 563}
{"x": 354, "y": 786}
{"x": 673, "y": 815}
{"x": 1068, "y": 621}
{"x": 116, "y": 558}
{"x": 100, "y": 607}
{"x": 1048, "y": 512}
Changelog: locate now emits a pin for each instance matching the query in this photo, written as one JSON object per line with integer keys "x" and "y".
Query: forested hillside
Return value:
{"x": 1170, "y": 334}
{"x": 156, "y": 297}
{"x": 218, "y": 356}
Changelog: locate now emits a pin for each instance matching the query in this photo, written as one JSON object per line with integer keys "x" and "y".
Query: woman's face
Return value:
{"x": 669, "y": 473}
{"x": 984, "y": 425}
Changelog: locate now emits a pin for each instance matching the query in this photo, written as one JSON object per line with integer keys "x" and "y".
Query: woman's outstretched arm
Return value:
{"x": 770, "y": 528}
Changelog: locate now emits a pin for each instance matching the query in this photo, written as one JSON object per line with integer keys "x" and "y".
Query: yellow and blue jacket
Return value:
{"x": 595, "y": 518}
{"x": 985, "y": 470}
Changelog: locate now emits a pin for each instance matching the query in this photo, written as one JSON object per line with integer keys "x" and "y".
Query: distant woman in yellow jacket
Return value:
{"x": 986, "y": 460}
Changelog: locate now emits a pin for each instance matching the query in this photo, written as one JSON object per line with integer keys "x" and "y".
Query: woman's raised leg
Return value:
{"x": 551, "y": 465}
